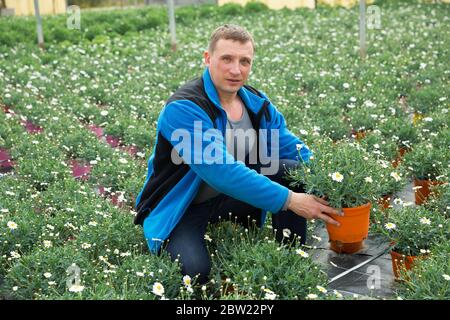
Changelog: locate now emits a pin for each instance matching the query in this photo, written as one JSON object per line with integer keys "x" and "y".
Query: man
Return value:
{"x": 188, "y": 187}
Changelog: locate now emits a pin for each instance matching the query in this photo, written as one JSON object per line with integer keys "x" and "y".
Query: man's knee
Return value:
{"x": 197, "y": 269}
{"x": 192, "y": 256}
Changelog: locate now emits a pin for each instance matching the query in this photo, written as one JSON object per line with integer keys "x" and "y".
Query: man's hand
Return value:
{"x": 311, "y": 207}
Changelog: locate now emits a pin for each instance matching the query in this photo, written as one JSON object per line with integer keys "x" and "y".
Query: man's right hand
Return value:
{"x": 312, "y": 207}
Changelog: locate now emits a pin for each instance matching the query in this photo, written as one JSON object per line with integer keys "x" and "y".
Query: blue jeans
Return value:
{"x": 187, "y": 243}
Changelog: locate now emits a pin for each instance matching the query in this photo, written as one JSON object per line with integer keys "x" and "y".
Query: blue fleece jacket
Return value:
{"x": 255, "y": 189}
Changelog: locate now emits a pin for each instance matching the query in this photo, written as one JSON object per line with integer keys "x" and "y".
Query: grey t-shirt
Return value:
{"x": 240, "y": 141}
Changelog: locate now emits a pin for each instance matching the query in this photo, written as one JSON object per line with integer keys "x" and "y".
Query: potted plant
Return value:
{"x": 428, "y": 164}
{"x": 392, "y": 181}
{"x": 392, "y": 176}
{"x": 348, "y": 177}
{"x": 382, "y": 148}
{"x": 425, "y": 100}
{"x": 439, "y": 199}
{"x": 434, "y": 123}
{"x": 363, "y": 120}
{"x": 334, "y": 127}
{"x": 430, "y": 279}
{"x": 413, "y": 231}
{"x": 401, "y": 132}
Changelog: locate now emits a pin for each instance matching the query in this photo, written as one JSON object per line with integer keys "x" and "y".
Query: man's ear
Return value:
{"x": 206, "y": 58}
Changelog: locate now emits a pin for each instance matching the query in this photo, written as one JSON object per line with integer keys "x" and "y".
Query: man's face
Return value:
{"x": 229, "y": 64}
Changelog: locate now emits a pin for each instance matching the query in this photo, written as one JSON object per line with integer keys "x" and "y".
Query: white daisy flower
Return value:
{"x": 390, "y": 226}
{"x": 12, "y": 225}
{"x": 187, "y": 281}
{"x": 368, "y": 179}
{"x": 395, "y": 176}
{"x": 321, "y": 289}
{"x": 286, "y": 233}
{"x": 85, "y": 245}
{"x": 76, "y": 288}
{"x": 47, "y": 244}
{"x": 336, "y": 176}
{"x": 158, "y": 289}
{"x": 302, "y": 253}
{"x": 337, "y": 293}
{"x": 270, "y": 295}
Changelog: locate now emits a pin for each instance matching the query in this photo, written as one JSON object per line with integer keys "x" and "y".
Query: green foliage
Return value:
{"x": 379, "y": 146}
{"x": 428, "y": 162}
{"x": 415, "y": 230}
{"x": 343, "y": 172}
{"x": 255, "y": 7}
{"x": 399, "y": 130}
{"x": 426, "y": 100}
{"x": 231, "y": 9}
{"x": 430, "y": 278}
{"x": 280, "y": 270}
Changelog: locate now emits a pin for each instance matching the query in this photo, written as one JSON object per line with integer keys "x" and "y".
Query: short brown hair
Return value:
{"x": 227, "y": 32}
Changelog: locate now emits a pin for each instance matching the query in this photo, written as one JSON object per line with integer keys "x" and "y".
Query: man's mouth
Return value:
{"x": 234, "y": 81}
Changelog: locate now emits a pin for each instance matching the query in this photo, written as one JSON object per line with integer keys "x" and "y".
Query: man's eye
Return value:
{"x": 227, "y": 59}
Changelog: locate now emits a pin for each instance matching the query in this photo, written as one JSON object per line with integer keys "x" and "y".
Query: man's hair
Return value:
{"x": 230, "y": 32}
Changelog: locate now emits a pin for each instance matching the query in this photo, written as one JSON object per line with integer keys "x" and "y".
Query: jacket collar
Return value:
{"x": 251, "y": 100}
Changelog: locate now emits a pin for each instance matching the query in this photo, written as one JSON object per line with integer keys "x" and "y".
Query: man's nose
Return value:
{"x": 235, "y": 70}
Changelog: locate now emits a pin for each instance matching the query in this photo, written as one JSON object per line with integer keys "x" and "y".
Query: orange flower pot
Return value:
{"x": 359, "y": 135}
{"x": 421, "y": 194}
{"x": 354, "y": 228}
{"x": 401, "y": 153}
{"x": 348, "y": 248}
{"x": 401, "y": 262}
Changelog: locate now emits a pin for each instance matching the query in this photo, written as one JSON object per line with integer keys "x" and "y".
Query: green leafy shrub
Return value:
{"x": 399, "y": 130}
{"x": 427, "y": 162}
{"x": 415, "y": 230}
{"x": 343, "y": 172}
{"x": 231, "y": 9}
{"x": 430, "y": 278}
{"x": 255, "y": 7}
